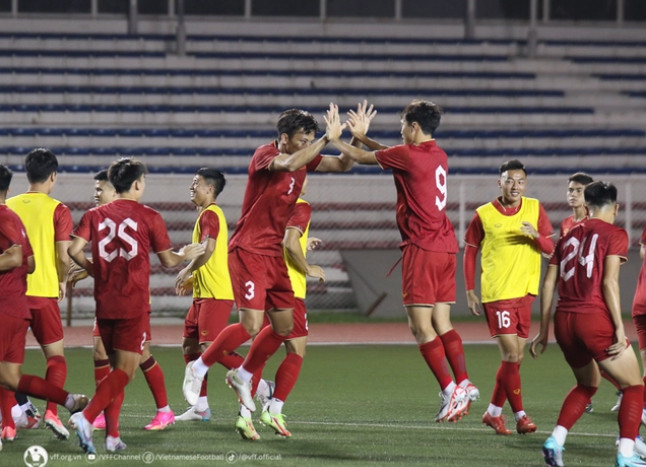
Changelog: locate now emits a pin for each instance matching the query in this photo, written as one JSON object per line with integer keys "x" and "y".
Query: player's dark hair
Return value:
{"x": 213, "y": 177}
{"x": 513, "y": 164}
{"x": 293, "y": 120}
{"x": 581, "y": 177}
{"x": 123, "y": 173}
{"x": 425, "y": 113}
{"x": 101, "y": 176}
{"x": 599, "y": 194}
{"x": 5, "y": 178}
{"x": 40, "y": 164}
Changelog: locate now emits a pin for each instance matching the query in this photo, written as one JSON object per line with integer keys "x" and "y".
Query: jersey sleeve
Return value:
{"x": 300, "y": 217}
{"x": 209, "y": 225}
{"x": 83, "y": 229}
{"x": 395, "y": 157}
{"x": 160, "y": 241}
{"x": 475, "y": 232}
{"x": 314, "y": 163}
{"x": 618, "y": 244}
{"x": 63, "y": 224}
{"x": 263, "y": 156}
{"x": 544, "y": 224}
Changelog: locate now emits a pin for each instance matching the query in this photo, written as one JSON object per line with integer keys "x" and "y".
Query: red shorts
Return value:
{"x": 427, "y": 277}
{"x": 12, "y": 339}
{"x": 45, "y": 320}
{"x": 299, "y": 315}
{"x": 260, "y": 281}
{"x": 512, "y": 316}
{"x": 147, "y": 330}
{"x": 640, "y": 327}
{"x": 206, "y": 318}
{"x": 583, "y": 336}
{"x": 124, "y": 334}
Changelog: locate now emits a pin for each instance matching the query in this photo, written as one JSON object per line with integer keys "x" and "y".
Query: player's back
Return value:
{"x": 123, "y": 234}
{"x": 580, "y": 256}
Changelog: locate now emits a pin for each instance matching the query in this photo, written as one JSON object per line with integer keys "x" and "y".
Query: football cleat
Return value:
{"x": 245, "y": 427}
{"x": 525, "y": 425}
{"x": 553, "y": 453}
{"x": 632, "y": 461}
{"x": 265, "y": 397}
{"x": 193, "y": 414}
{"x": 54, "y": 423}
{"x": 8, "y": 433}
{"x": 453, "y": 405}
{"x": 192, "y": 384}
{"x": 588, "y": 407}
{"x": 161, "y": 421}
{"x": 114, "y": 444}
{"x": 83, "y": 432}
{"x": 242, "y": 389}
{"x": 473, "y": 393}
{"x": 497, "y": 423}
{"x": 640, "y": 446}
{"x": 80, "y": 401}
{"x": 275, "y": 421}
{"x": 99, "y": 422}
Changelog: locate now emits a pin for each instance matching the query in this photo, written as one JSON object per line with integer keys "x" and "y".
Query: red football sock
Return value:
{"x": 7, "y": 400}
{"x": 510, "y": 380}
{"x": 433, "y": 353}
{"x": 231, "y": 337}
{"x": 264, "y": 346}
{"x": 287, "y": 375}
{"x": 40, "y": 388}
{"x": 155, "y": 379}
{"x": 630, "y": 411}
{"x": 56, "y": 375}
{"x": 106, "y": 392}
{"x": 574, "y": 405}
{"x": 231, "y": 360}
{"x": 101, "y": 370}
{"x": 455, "y": 354}
{"x": 499, "y": 395}
{"x": 111, "y": 413}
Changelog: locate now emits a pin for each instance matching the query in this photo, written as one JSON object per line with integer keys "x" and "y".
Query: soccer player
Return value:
{"x": 576, "y": 184}
{"x": 16, "y": 261}
{"x": 258, "y": 272}
{"x": 295, "y": 245}
{"x": 123, "y": 233}
{"x": 48, "y": 223}
{"x": 429, "y": 245}
{"x": 639, "y": 312}
{"x": 587, "y": 323}
{"x": 512, "y": 231}
{"x": 208, "y": 277}
{"x": 104, "y": 193}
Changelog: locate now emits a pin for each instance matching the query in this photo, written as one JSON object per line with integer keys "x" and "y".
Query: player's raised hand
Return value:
{"x": 334, "y": 128}
{"x": 359, "y": 121}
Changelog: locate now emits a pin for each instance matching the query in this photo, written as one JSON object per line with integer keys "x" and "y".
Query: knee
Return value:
{"x": 284, "y": 329}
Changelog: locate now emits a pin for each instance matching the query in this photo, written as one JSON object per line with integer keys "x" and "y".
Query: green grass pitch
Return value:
{"x": 353, "y": 405}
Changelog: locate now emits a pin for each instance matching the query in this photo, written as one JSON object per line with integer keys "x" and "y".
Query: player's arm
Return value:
{"x": 170, "y": 258}
{"x": 334, "y": 130}
{"x": 195, "y": 264}
{"x": 642, "y": 250}
{"x": 359, "y": 123}
{"x": 75, "y": 251}
{"x": 472, "y": 239}
{"x": 292, "y": 245}
{"x": 11, "y": 258}
{"x": 62, "y": 261}
{"x": 610, "y": 288}
{"x": 546, "y": 298}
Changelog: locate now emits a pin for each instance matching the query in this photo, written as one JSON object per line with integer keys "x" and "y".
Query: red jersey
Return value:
{"x": 568, "y": 223}
{"x": 639, "y": 301}
{"x": 420, "y": 173}
{"x": 268, "y": 202}
{"x": 13, "y": 283}
{"x": 123, "y": 234}
{"x": 580, "y": 256}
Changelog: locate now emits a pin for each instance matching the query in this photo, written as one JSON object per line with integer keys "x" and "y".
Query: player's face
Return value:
{"x": 407, "y": 132}
{"x": 104, "y": 192}
{"x": 299, "y": 140}
{"x": 513, "y": 184}
{"x": 575, "y": 196}
{"x": 199, "y": 190}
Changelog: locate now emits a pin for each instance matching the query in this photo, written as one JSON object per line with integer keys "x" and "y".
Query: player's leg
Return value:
{"x": 155, "y": 379}
{"x": 441, "y": 319}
